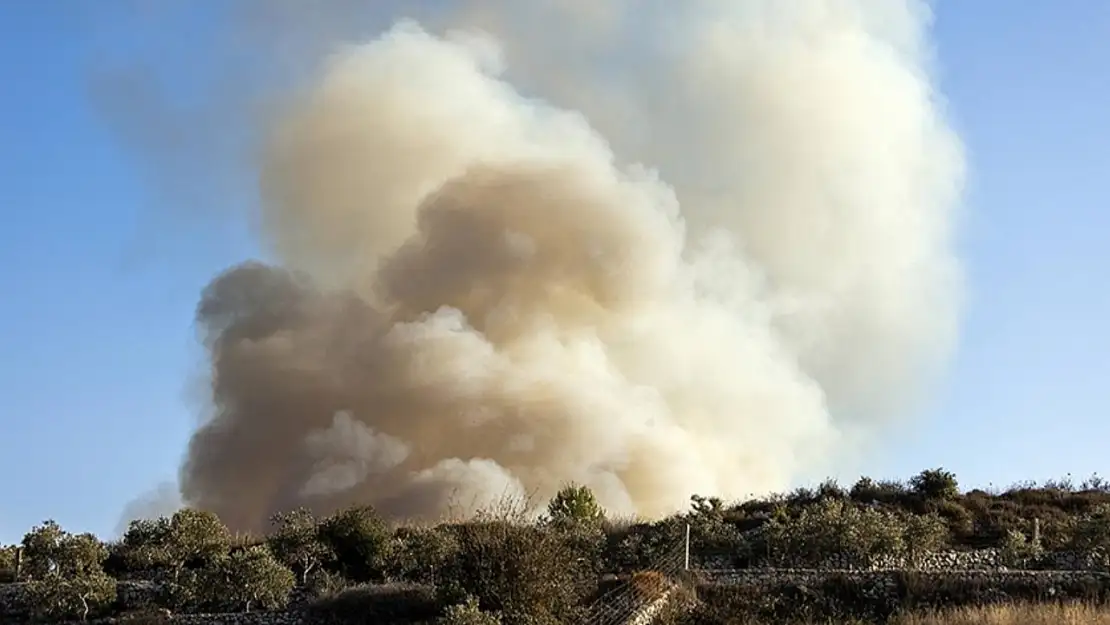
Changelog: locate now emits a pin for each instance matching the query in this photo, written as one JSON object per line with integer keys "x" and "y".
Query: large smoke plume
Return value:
{"x": 657, "y": 248}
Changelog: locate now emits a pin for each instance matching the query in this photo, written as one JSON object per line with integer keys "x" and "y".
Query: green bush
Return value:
{"x": 468, "y": 613}
{"x": 360, "y": 542}
{"x": 574, "y": 504}
{"x": 246, "y": 579}
{"x": 420, "y": 554}
{"x": 836, "y": 528}
{"x": 518, "y": 569}
{"x": 923, "y": 534}
{"x": 935, "y": 484}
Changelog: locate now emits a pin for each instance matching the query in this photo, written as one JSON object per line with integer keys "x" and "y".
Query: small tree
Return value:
{"x": 64, "y": 574}
{"x": 144, "y": 544}
{"x": 1017, "y": 550}
{"x": 50, "y": 550}
{"x": 419, "y": 554}
{"x": 296, "y": 543}
{"x": 575, "y": 504}
{"x": 195, "y": 535}
{"x": 246, "y": 579}
{"x": 58, "y": 597}
{"x": 188, "y": 538}
{"x": 42, "y": 550}
{"x": 934, "y": 484}
{"x": 360, "y": 541}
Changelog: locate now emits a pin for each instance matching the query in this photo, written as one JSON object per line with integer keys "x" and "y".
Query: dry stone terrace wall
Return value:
{"x": 887, "y": 579}
{"x": 950, "y": 560}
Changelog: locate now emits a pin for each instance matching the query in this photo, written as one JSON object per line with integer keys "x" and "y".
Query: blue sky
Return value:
{"x": 97, "y": 379}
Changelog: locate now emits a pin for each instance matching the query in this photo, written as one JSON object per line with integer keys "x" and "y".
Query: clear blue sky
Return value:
{"x": 96, "y": 331}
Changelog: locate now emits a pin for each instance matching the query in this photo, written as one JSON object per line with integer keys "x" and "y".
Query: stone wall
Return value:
{"x": 888, "y": 578}
{"x": 254, "y": 618}
{"x": 948, "y": 560}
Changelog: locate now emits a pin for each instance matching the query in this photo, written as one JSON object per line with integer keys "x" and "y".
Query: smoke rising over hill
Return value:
{"x": 657, "y": 249}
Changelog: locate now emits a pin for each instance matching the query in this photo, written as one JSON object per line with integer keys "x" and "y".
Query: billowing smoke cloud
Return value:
{"x": 662, "y": 249}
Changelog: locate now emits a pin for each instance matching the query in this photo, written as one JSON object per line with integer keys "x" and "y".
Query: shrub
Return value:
{"x": 1017, "y": 550}
{"x": 323, "y": 583}
{"x": 836, "y": 528}
{"x": 935, "y": 484}
{"x": 712, "y": 535}
{"x": 868, "y": 491}
{"x": 360, "y": 542}
{"x": 468, "y": 613}
{"x": 419, "y": 554}
{"x": 643, "y": 545}
{"x": 574, "y": 504}
{"x": 518, "y": 569}
{"x": 922, "y": 534}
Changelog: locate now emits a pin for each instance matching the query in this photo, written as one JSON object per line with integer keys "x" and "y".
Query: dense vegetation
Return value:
{"x": 503, "y": 568}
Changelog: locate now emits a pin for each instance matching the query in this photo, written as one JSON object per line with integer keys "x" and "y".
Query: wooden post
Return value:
{"x": 687, "y": 546}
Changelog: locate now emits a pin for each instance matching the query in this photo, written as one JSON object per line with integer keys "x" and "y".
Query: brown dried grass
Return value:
{"x": 1016, "y": 614}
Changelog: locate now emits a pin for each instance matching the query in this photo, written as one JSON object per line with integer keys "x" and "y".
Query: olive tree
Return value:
{"x": 63, "y": 572}
{"x": 296, "y": 543}
{"x": 246, "y": 579}
{"x": 189, "y": 537}
{"x": 176, "y": 548}
{"x": 360, "y": 542}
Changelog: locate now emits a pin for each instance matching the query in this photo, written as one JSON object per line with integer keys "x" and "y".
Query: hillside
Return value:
{"x": 574, "y": 564}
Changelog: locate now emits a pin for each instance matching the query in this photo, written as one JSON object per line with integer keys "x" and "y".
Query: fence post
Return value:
{"x": 687, "y": 547}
